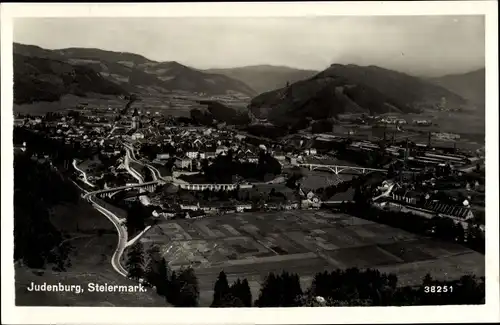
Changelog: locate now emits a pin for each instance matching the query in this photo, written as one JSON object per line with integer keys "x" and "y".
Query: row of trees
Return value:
{"x": 350, "y": 287}
{"x": 236, "y": 295}
{"x": 255, "y": 196}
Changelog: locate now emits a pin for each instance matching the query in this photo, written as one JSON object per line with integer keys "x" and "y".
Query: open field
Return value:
{"x": 70, "y": 102}
{"x": 316, "y": 179}
{"x": 251, "y": 245}
{"x": 94, "y": 240}
{"x": 164, "y": 104}
{"x": 470, "y": 125}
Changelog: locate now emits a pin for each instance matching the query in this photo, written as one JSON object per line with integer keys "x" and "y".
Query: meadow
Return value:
{"x": 251, "y": 245}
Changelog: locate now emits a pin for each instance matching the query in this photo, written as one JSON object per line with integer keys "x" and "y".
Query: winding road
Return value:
{"x": 132, "y": 171}
{"x": 154, "y": 171}
{"x": 120, "y": 228}
{"x": 123, "y": 241}
{"x": 85, "y": 179}
{"x": 122, "y": 237}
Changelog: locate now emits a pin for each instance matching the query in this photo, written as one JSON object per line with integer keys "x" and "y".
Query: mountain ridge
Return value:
{"x": 43, "y": 79}
{"x": 350, "y": 88}
{"x": 470, "y": 85}
{"x": 138, "y": 74}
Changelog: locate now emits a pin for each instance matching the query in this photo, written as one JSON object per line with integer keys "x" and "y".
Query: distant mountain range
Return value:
{"x": 470, "y": 86}
{"x": 263, "y": 78}
{"x": 132, "y": 73}
{"x": 289, "y": 95}
{"x": 350, "y": 89}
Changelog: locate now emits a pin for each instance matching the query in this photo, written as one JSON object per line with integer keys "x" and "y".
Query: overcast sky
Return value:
{"x": 423, "y": 45}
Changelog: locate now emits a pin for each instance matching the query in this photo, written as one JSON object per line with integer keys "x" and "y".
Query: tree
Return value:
{"x": 476, "y": 238}
{"x": 221, "y": 290}
{"x": 136, "y": 216}
{"x": 231, "y": 301}
{"x": 268, "y": 292}
{"x": 240, "y": 290}
{"x": 173, "y": 289}
{"x": 135, "y": 262}
{"x": 280, "y": 291}
{"x": 353, "y": 287}
{"x": 149, "y": 266}
{"x": 470, "y": 291}
{"x": 156, "y": 270}
{"x": 162, "y": 277}
{"x": 189, "y": 292}
{"x": 292, "y": 290}
{"x": 245, "y": 294}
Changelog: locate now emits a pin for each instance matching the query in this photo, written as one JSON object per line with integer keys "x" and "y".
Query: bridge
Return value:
{"x": 212, "y": 187}
{"x": 337, "y": 169}
{"x": 149, "y": 186}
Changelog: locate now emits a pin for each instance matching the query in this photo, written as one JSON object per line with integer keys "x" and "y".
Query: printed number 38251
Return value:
{"x": 438, "y": 289}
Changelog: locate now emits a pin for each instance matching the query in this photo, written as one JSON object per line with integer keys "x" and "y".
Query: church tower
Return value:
{"x": 135, "y": 119}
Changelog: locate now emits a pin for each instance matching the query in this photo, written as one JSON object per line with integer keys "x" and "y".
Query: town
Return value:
{"x": 155, "y": 160}
{"x": 149, "y": 174}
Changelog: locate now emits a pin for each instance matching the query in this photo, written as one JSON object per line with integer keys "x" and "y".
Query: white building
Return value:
{"x": 243, "y": 207}
{"x": 137, "y": 136}
{"x": 280, "y": 156}
{"x": 162, "y": 156}
{"x": 221, "y": 150}
{"x": 183, "y": 163}
{"x": 310, "y": 151}
{"x": 253, "y": 159}
{"x": 192, "y": 154}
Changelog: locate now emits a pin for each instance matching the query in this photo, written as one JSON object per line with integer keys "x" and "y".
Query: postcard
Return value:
{"x": 253, "y": 163}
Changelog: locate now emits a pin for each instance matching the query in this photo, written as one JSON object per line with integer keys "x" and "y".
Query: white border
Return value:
{"x": 103, "y": 315}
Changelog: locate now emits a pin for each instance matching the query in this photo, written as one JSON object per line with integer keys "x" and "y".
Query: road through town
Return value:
{"x": 122, "y": 236}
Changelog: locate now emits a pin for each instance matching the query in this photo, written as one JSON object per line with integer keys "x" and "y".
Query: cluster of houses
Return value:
{"x": 410, "y": 199}
{"x": 195, "y": 144}
{"x": 421, "y": 154}
{"x": 191, "y": 209}
{"x": 199, "y": 208}
{"x": 392, "y": 120}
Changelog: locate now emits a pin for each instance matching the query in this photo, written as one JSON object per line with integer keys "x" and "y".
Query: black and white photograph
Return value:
{"x": 226, "y": 161}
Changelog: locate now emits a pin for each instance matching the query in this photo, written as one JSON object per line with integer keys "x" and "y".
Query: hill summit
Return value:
{"x": 342, "y": 89}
